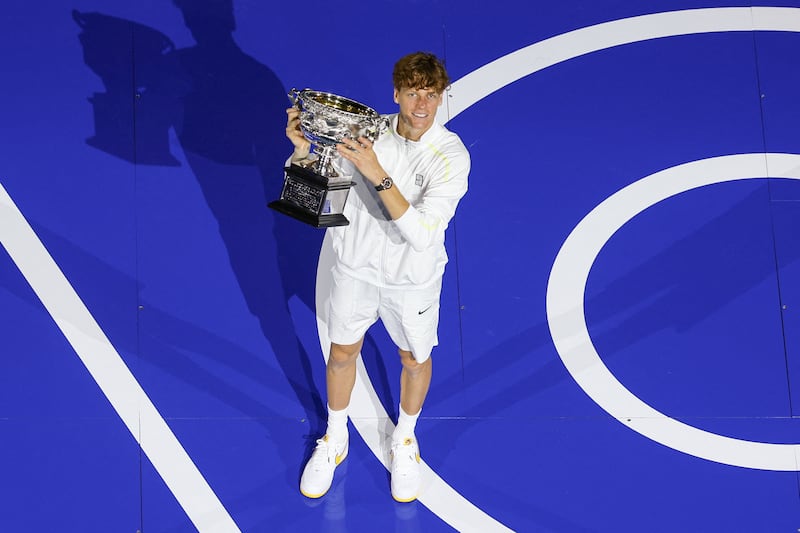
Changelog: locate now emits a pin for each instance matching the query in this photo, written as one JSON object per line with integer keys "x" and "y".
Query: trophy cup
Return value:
{"x": 314, "y": 190}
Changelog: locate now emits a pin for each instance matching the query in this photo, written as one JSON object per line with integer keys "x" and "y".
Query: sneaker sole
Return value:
{"x": 404, "y": 500}
{"x": 314, "y": 496}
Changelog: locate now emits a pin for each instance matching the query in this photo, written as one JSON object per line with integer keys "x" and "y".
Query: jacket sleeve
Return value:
{"x": 424, "y": 222}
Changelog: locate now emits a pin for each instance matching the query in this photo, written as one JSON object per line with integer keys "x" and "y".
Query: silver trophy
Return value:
{"x": 314, "y": 189}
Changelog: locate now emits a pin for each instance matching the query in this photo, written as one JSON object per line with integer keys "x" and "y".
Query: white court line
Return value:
{"x": 110, "y": 372}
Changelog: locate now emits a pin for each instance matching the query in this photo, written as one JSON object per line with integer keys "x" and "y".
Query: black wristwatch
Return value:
{"x": 386, "y": 183}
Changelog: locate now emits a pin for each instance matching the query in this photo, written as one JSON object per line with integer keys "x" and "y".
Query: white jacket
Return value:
{"x": 407, "y": 252}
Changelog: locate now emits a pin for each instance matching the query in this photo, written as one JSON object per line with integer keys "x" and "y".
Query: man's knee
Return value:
{"x": 410, "y": 364}
{"x": 344, "y": 354}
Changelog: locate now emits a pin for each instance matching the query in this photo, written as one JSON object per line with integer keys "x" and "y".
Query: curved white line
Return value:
{"x": 493, "y": 76}
{"x": 567, "y": 321}
{"x": 439, "y": 497}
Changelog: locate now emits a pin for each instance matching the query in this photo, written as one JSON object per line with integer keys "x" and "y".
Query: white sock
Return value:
{"x": 337, "y": 425}
{"x": 405, "y": 426}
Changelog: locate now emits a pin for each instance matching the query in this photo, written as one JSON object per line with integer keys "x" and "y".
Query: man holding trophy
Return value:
{"x": 390, "y": 259}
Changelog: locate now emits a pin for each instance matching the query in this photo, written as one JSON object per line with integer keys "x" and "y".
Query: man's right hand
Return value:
{"x": 302, "y": 146}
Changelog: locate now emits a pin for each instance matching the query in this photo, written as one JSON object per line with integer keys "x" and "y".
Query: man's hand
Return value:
{"x": 365, "y": 159}
{"x": 302, "y": 146}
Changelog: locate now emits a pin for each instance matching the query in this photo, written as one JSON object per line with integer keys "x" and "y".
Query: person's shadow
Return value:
{"x": 228, "y": 111}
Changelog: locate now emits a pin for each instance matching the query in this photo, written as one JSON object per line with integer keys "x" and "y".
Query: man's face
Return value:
{"x": 417, "y": 109}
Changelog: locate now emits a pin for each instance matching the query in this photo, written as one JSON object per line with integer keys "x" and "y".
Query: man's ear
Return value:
{"x": 396, "y": 94}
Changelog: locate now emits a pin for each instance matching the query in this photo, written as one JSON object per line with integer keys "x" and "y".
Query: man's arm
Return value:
{"x": 422, "y": 224}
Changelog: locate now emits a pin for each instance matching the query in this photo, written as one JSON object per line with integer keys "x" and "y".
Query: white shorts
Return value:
{"x": 410, "y": 316}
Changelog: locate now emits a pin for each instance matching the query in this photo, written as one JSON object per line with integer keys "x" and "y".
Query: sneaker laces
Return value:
{"x": 404, "y": 457}
{"x": 324, "y": 454}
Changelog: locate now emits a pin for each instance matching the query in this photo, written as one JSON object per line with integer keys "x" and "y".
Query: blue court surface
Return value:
{"x": 620, "y": 323}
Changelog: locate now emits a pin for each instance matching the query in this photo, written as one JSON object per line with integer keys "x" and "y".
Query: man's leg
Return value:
{"x": 331, "y": 450}
{"x": 340, "y": 374}
{"x": 415, "y": 380}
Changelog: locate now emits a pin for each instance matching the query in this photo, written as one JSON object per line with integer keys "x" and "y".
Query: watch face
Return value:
{"x": 386, "y": 183}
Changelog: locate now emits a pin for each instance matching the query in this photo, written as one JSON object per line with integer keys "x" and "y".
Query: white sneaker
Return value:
{"x": 405, "y": 470}
{"x": 318, "y": 473}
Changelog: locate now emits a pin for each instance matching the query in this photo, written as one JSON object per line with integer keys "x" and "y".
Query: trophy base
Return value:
{"x": 318, "y": 221}
{"x": 312, "y": 198}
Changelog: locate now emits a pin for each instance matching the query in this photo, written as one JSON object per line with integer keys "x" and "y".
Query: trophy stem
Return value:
{"x": 324, "y": 165}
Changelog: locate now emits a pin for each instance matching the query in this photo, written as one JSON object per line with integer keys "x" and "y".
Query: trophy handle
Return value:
{"x": 379, "y": 127}
{"x": 294, "y": 96}
{"x": 383, "y": 125}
